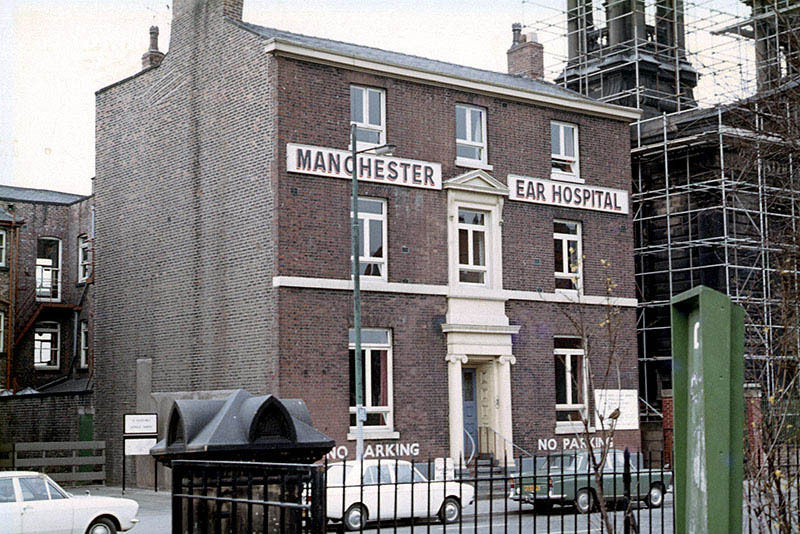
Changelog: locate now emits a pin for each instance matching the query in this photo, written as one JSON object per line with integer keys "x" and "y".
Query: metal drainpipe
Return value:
{"x": 12, "y": 279}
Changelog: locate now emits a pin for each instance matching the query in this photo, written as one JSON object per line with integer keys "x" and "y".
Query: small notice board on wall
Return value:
{"x": 627, "y": 400}
{"x": 139, "y": 435}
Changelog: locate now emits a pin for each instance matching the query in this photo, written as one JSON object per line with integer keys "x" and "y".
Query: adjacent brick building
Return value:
{"x": 46, "y": 319}
{"x": 491, "y": 236}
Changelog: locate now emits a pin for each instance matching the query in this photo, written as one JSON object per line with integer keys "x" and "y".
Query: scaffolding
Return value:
{"x": 714, "y": 198}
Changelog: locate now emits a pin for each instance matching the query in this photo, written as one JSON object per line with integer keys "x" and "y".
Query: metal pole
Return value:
{"x": 360, "y": 415}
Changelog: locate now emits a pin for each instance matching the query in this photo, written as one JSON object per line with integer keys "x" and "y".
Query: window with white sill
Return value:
{"x": 472, "y": 231}
{"x": 568, "y": 255}
{"x": 2, "y": 248}
{"x": 376, "y": 383}
{"x": 84, "y": 258}
{"x": 471, "y": 150}
{"x": 46, "y": 345}
{"x": 84, "y": 361}
{"x": 368, "y": 113}
{"x": 570, "y": 381}
{"x": 373, "y": 239}
{"x": 564, "y": 151}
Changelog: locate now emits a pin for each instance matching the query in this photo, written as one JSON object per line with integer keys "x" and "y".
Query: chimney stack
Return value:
{"x": 526, "y": 56}
{"x": 152, "y": 57}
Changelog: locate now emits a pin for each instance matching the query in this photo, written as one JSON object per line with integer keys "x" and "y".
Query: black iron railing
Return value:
{"x": 246, "y": 497}
{"x": 530, "y": 494}
{"x": 556, "y": 492}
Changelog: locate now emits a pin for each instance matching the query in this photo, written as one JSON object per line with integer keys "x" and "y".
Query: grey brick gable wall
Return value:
{"x": 185, "y": 221}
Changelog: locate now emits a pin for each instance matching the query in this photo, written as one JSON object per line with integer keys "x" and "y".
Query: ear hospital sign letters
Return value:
{"x": 319, "y": 161}
{"x": 567, "y": 194}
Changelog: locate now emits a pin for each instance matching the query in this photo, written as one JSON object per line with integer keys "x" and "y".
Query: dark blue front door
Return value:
{"x": 470, "y": 412}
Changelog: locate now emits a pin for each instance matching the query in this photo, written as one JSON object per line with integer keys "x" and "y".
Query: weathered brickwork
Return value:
{"x": 315, "y": 366}
{"x": 65, "y": 222}
{"x": 533, "y": 376}
{"x": 197, "y": 213}
{"x": 51, "y": 417}
{"x": 184, "y": 224}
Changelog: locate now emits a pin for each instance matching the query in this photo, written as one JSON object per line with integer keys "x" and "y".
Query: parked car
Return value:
{"x": 374, "y": 490}
{"x": 32, "y": 503}
{"x": 567, "y": 478}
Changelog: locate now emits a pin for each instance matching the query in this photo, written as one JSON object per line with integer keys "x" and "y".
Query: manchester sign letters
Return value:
{"x": 334, "y": 163}
{"x": 567, "y": 194}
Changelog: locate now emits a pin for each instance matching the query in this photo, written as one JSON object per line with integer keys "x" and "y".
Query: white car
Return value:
{"x": 32, "y": 503}
{"x": 388, "y": 492}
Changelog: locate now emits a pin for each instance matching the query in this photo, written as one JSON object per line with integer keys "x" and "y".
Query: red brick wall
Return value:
{"x": 313, "y": 222}
{"x": 197, "y": 214}
{"x": 667, "y": 410}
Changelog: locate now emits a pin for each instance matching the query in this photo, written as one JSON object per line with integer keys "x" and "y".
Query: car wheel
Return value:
{"x": 655, "y": 497}
{"x": 102, "y": 526}
{"x": 355, "y": 517}
{"x": 450, "y": 512}
{"x": 584, "y": 501}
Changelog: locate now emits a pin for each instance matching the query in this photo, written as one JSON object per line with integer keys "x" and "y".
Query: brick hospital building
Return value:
{"x": 223, "y": 239}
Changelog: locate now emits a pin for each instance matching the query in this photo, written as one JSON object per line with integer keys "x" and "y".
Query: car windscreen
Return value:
{"x": 55, "y": 491}
{"x": 556, "y": 463}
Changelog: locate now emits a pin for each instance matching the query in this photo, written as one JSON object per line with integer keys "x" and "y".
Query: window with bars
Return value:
{"x": 368, "y": 113}
{"x": 472, "y": 230}
{"x": 567, "y": 253}
{"x": 376, "y": 383}
{"x": 373, "y": 239}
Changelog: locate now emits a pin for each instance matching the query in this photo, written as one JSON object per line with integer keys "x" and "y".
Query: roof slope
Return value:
{"x": 24, "y": 194}
{"x": 420, "y": 63}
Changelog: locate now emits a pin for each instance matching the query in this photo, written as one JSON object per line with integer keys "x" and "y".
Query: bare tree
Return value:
{"x": 602, "y": 370}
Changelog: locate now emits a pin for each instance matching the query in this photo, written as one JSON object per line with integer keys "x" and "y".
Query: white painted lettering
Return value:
{"x": 321, "y": 161}
{"x": 555, "y": 193}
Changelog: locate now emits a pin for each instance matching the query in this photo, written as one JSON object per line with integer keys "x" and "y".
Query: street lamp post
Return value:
{"x": 361, "y": 414}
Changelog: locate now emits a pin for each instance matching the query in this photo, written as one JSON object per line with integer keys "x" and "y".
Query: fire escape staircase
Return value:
{"x": 29, "y": 311}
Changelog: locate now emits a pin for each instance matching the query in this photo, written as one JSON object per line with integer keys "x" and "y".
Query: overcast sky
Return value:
{"x": 54, "y": 55}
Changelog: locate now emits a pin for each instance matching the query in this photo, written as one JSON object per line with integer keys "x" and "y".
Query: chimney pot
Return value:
{"x": 526, "y": 55}
{"x": 153, "y": 56}
{"x": 516, "y": 31}
{"x": 154, "y": 38}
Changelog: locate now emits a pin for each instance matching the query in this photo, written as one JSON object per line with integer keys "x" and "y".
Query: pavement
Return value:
{"x": 499, "y": 515}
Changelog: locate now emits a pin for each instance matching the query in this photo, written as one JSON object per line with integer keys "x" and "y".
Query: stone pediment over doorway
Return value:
{"x": 477, "y": 181}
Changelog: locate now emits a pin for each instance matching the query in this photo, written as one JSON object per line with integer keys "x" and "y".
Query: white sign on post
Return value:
{"x": 139, "y": 446}
{"x": 141, "y": 423}
{"x": 627, "y": 400}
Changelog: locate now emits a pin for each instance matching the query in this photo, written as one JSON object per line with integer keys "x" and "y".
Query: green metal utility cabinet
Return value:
{"x": 707, "y": 384}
